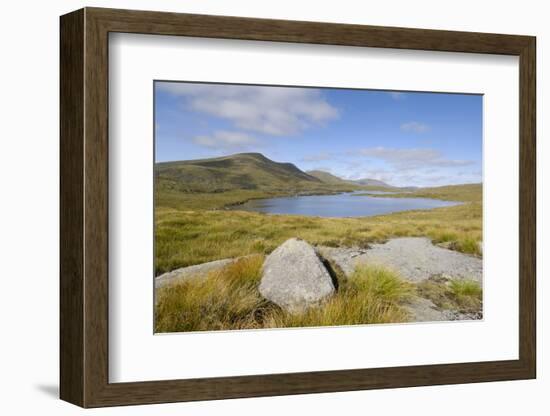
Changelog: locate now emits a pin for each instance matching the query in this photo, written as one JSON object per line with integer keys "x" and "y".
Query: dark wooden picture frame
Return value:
{"x": 84, "y": 207}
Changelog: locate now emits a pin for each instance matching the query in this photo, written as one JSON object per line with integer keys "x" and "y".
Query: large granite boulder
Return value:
{"x": 295, "y": 278}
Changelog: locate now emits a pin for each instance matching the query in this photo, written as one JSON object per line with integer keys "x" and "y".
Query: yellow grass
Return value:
{"x": 226, "y": 299}
{"x": 185, "y": 238}
{"x": 463, "y": 295}
{"x": 229, "y": 299}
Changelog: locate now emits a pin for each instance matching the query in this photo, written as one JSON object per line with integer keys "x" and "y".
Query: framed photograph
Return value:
{"x": 255, "y": 207}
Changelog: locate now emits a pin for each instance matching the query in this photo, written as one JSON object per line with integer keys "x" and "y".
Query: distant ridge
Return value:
{"x": 254, "y": 171}
{"x": 238, "y": 171}
{"x": 333, "y": 179}
{"x": 373, "y": 182}
{"x": 328, "y": 177}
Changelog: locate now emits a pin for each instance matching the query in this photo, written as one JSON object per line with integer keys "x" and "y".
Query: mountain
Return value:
{"x": 335, "y": 180}
{"x": 372, "y": 182}
{"x": 328, "y": 177}
{"x": 239, "y": 171}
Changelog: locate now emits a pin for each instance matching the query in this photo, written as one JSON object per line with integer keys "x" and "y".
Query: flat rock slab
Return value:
{"x": 415, "y": 258}
{"x": 294, "y": 277}
{"x": 191, "y": 272}
{"x": 424, "y": 310}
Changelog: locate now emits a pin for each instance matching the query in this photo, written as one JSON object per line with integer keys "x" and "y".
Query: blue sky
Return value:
{"x": 403, "y": 138}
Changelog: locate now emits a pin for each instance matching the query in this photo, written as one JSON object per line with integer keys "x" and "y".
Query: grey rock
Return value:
{"x": 460, "y": 316}
{"x": 197, "y": 271}
{"x": 295, "y": 278}
{"x": 345, "y": 257}
{"x": 415, "y": 258}
{"x": 424, "y": 310}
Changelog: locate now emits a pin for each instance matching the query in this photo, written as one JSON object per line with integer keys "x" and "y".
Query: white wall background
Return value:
{"x": 29, "y": 206}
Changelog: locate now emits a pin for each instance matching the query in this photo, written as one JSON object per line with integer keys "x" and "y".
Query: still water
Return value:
{"x": 340, "y": 205}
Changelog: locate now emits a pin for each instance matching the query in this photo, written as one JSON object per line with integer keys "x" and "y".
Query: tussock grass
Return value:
{"x": 184, "y": 238}
{"x": 226, "y": 299}
{"x": 467, "y": 294}
{"x": 229, "y": 299}
{"x": 371, "y": 295}
{"x": 468, "y": 245}
{"x": 194, "y": 227}
{"x": 462, "y": 241}
{"x": 462, "y": 295}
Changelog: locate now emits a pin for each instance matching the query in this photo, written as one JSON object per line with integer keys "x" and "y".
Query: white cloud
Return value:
{"x": 222, "y": 139}
{"x": 415, "y": 127}
{"x": 412, "y": 158}
{"x": 410, "y": 167}
{"x": 416, "y": 177}
{"x": 277, "y": 111}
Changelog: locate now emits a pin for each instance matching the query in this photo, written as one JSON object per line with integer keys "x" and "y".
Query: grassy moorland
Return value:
{"x": 464, "y": 193}
{"x": 229, "y": 299}
{"x": 464, "y": 296}
{"x": 200, "y": 230}
{"x": 193, "y": 226}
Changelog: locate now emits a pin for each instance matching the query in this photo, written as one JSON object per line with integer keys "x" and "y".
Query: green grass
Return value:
{"x": 193, "y": 225}
{"x": 185, "y": 238}
{"x": 371, "y": 295}
{"x": 464, "y": 193}
{"x": 207, "y": 201}
{"x": 229, "y": 299}
{"x": 466, "y": 294}
{"x": 462, "y": 295}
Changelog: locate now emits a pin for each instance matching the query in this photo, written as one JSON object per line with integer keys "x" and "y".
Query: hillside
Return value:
{"x": 243, "y": 171}
{"x": 472, "y": 192}
{"x": 372, "y": 182}
{"x": 329, "y": 178}
{"x": 360, "y": 183}
{"x": 469, "y": 192}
